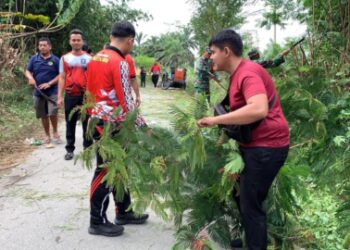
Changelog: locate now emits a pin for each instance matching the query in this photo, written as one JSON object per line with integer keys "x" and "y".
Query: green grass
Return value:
{"x": 16, "y": 113}
{"x": 319, "y": 219}
{"x": 156, "y": 103}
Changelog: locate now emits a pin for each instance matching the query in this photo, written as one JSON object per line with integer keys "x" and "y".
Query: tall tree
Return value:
{"x": 103, "y": 16}
{"x": 93, "y": 18}
{"x": 139, "y": 38}
{"x": 275, "y": 16}
{"x": 211, "y": 16}
{"x": 24, "y": 20}
{"x": 174, "y": 48}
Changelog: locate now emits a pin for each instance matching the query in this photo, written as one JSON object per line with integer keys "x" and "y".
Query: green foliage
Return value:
{"x": 138, "y": 48}
{"x": 67, "y": 10}
{"x": 144, "y": 61}
{"x": 96, "y": 33}
{"x": 313, "y": 90}
{"x": 344, "y": 211}
{"x": 30, "y": 17}
{"x": 211, "y": 16}
{"x": 66, "y": 15}
{"x": 164, "y": 168}
{"x": 177, "y": 173}
{"x": 38, "y": 18}
{"x": 173, "y": 48}
{"x": 319, "y": 220}
{"x": 276, "y": 14}
{"x": 346, "y": 243}
{"x": 16, "y": 110}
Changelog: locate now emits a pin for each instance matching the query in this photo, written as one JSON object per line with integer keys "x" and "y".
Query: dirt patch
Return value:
{"x": 13, "y": 152}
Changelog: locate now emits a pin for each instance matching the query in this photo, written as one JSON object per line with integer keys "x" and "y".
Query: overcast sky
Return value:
{"x": 167, "y": 12}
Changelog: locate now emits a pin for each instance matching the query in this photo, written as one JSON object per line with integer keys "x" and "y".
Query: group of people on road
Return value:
{"x": 155, "y": 72}
{"x": 109, "y": 76}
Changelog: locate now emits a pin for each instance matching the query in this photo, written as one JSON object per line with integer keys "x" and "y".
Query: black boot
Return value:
{"x": 107, "y": 229}
{"x": 69, "y": 156}
{"x": 236, "y": 244}
{"x": 130, "y": 218}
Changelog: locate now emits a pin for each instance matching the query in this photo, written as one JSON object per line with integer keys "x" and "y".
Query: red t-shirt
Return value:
{"x": 251, "y": 79}
{"x": 155, "y": 69}
{"x": 130, "y": 61}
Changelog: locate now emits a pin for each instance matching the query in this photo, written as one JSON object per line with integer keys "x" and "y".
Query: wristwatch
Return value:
{"x": 49, "y": 84}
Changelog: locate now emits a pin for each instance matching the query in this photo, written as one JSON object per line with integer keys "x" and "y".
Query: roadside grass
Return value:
{"x": 157, "y": 102}
{"x": 17, "y": 122}
{"x": 17, "y": 115}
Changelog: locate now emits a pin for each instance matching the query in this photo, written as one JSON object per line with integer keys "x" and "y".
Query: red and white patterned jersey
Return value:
{"x": 108, "y": 81}
{"x": 74, "y": 67}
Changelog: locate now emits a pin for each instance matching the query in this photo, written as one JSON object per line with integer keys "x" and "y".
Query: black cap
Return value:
{"x": 253, "y": 54}
{"x": 123, "y": 29}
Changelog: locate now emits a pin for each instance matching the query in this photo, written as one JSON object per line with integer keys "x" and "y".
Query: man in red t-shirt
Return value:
{"x": 108, "y": 81}
{"x": 251, "y": 92}
{"x": 155, "y": 71}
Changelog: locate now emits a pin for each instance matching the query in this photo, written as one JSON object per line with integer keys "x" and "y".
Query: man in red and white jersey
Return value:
{"x": 72, "y": 80}
{"x": 108, "y": 80}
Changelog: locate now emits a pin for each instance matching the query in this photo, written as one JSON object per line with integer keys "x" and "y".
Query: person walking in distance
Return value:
{"x": 155, "y": 71}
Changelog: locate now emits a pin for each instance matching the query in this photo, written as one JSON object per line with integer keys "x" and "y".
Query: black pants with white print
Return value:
{"x": 99, "y": 193}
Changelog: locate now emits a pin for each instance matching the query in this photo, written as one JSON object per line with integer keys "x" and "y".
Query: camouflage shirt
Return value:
{"x": 203, "y": 68}
{"x": 271, "y": 63}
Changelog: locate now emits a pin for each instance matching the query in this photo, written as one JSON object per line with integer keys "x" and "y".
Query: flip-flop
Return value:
{"x": 57, "y": 140}
{"x": 46, "y": 140}
{"x": 49, "y": 145}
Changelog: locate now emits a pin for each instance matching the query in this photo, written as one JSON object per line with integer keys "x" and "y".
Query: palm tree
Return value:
{"x": 275, "y": 17}
{"x": 138, "y": 39}
{"x": 174, "y": 48}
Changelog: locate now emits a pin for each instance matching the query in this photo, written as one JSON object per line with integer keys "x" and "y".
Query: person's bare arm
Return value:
{"x": 284, "y": 52}
{"x": 135, "y": 87}
{"x": 61, "y": 84}
{"x": 31, "y": 80}
{"x": 49, "y": 84}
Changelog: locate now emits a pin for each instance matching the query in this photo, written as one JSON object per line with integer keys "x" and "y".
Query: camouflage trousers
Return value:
{"x": 203, "y": 90}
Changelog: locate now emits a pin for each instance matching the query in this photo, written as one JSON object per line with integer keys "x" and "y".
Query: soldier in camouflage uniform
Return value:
{"x": 204, "y": 73}
{"x": 255, "y": 56}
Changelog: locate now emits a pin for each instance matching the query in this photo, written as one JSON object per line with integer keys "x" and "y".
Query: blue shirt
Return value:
{"x": 44, "y": 70}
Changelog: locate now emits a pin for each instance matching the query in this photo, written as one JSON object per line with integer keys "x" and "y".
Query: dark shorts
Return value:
{"x": 44, "y": 108}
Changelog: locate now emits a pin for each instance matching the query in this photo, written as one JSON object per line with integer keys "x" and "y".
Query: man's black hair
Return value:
{"x": 45, "y": 39}
{"x": 123, "y": 29}
{"x": 86, "y": 48}
{"x": 228, "y": 38}
{"x": 76, "y": 32}
{"x": 253, "y": 54}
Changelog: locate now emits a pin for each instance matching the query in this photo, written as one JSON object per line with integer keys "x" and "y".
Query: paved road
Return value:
{"x": 44, "y": 202}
